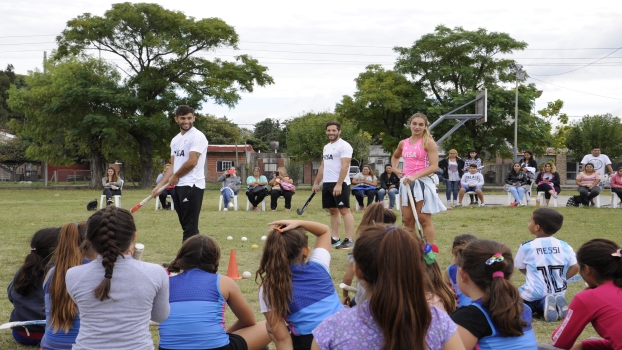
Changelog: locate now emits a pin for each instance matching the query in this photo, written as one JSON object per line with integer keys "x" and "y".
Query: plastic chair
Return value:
{"x": 614, "y": 200}
{"x": 540, "y": 198}
{"x": 263, "y": 204}
{"x": 157, "y": 204}
{"x": 234, "y": 200}
{"x": 117, "y": 198}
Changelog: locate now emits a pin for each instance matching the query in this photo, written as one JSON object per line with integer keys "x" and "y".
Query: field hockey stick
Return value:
{"x": 11, "y": 325}
{"x": 411, "y": 200}
{"x": 304, "y": 207}
{"x": 347, "y": 287}
{"x": 144, "y": 201}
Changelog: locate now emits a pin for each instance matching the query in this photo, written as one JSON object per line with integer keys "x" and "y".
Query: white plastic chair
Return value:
{"x": 263, "y": 204}
{"x": 117, "y": 198}
{"x": 614, "y": 200}
{"x": 234, "y": 200}
{"x": 157, "y": 203}
{"x": 541, "y": 199}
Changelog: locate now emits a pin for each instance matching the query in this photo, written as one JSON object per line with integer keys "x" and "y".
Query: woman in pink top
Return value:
{"x": 420, "y": 156}
{"x": 616, "y": 185}
{"x": 588, "y": 181}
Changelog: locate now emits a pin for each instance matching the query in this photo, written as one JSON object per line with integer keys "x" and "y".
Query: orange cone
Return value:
{"x": 232, "y": 270}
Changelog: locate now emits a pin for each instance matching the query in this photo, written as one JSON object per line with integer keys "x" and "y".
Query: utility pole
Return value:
{"x": 45, "y": 163}
{"x": 519, "y": 73}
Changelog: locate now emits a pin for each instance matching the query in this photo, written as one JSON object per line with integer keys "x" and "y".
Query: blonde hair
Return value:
{"x": 426, "y": 133}
{"x": 283, "y": 169}
{"x": 553, "y": 169}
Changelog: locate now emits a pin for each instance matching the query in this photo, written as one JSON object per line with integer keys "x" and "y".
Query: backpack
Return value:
{"x": 92, "y": 205}
{"x": 573, "y": 201}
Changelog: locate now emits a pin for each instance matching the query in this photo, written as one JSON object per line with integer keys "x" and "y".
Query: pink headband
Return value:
{"x": 498, "y": 274}
{"x": 618, "y": 253}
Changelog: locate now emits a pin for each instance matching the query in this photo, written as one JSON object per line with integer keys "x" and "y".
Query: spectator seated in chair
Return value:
{"x": 366, "y": 185}
{"x": 112, "y": 185}
{"x": 168, "y": 191}
{"x": 588, "y": 181}
{"x": 389, "y": 184}
{"x": 230, "y": 186}
{"x": 282, "y": 185}
{"x": 256, "y": 189}
{"x": 548, "y": 182}
{"x": 515, "y": 183}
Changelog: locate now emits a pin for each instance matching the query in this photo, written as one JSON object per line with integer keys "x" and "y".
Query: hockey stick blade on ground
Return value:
{"x": 144, "y": 201}
{"x": 304, "y": 207}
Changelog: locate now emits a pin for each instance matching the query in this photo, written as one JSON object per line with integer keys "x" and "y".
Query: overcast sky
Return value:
{"x": 315, "y": 50}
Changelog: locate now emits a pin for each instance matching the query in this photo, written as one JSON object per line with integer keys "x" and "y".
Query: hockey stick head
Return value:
{"x": 300, "y": 211}
{"x": 135, "y": 208}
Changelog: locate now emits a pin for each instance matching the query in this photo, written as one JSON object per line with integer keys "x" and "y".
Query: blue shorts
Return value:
{"x": 472, "y": 189}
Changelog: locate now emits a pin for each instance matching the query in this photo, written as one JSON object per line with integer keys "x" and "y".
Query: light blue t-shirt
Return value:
{"x": 546, "y": 260}
{"x": 252, "y": 179}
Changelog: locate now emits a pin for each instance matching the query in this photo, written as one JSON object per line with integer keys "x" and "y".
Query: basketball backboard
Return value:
{"x": 481, "y": 107}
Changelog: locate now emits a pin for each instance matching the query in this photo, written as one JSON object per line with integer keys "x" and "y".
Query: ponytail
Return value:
{"x": 490, "y": 265}
{"x": 110, "y": 231}
{"x": 437, "y": 286}
{"x": 30, "y": 275}
{"x": 391, "y": 262}
{"x": 68, "y": 254}
{"x": 281, "y": 250}
{"x": 605, "y": 259}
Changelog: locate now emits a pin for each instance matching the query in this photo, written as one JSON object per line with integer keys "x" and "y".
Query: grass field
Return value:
{"x": 25, "y": 211}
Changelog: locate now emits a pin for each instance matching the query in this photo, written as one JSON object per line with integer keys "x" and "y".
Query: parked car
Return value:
{"x": 353, "y": 171}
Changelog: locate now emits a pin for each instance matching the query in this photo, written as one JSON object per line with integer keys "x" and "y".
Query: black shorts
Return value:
{"x": 330, "y": 201}
{"x": 302, "y": 342}
{"x": 236, "y": 342}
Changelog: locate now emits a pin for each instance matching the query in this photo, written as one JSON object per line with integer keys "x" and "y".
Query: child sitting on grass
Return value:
{"x": 296, "y": 291}
{"x": 472, "y": 182}
{"x": 497, "y": 318}
{"x": 26, "y": 290}
{"x": 547, "y": 262}
{"x": 460, "y": 242}
{"x": 600, "y": 262}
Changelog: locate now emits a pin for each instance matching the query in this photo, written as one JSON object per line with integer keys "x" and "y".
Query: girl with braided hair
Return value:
{"x": 496, "y": 317}
{"x": 116, "y": 295}
{"x": 197, "y": 299}
{"x": 26, "y": 290}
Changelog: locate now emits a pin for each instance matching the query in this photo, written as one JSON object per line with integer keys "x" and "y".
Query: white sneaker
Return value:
{"x": 231, "y": 205}
{"x": 225, "y": 209}
{"x": 482, "y": 205}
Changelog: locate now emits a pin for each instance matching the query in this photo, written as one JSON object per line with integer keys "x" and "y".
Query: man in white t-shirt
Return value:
{"x": 600, "y": 161}
{"x": 337, "y": 155}
{"x": 186, "y": 173}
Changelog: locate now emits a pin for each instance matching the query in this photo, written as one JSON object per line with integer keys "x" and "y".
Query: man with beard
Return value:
{"x": 186, "y": 173}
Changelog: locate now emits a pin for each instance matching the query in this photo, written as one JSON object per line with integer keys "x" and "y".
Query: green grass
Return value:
{"x": 25, "y": 211}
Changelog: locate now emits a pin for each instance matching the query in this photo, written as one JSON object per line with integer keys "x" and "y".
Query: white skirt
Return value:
{"x": 425, "y": 190}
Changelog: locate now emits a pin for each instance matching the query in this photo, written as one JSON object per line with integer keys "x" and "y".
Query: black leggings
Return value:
{"x": 360, "y": 195}
{"x": 110, "y": 192}
{"x": 274, "y": 197}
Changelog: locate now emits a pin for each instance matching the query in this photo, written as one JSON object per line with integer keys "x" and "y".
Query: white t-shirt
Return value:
{"x": 181, "y": 146}
{"x": 319, "y": 255}
{"x": 600, "y": 163}
{"x": 546, "y": 260}
{"x": 332, "y": 154}
{"x": 361, "y": 177}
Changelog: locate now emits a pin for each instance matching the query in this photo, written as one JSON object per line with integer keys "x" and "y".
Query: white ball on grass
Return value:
{"x": 246, "y": 274}
{"x": 263, "y": 238}
{"x": 229, "y": 238}
{"x": 244, "y": 239}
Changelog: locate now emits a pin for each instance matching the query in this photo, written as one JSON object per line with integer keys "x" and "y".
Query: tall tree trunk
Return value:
{"x": 146, "y": 161}
{"x": 98, "y": 168}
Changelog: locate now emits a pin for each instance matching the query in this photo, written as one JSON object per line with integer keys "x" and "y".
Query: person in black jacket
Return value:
{"x": 389, "y": 183}
{"x": 452, "y": 168}
{"x": 515, "y": 180}
{"x": 548, "y": 182}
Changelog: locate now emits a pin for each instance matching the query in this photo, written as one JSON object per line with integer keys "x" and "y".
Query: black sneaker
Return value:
{"x": 335, "y": 242}
{"x": 346, "y": 244}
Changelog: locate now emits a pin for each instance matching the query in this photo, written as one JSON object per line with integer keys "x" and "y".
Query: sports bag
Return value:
{"x": 92, "y": 205}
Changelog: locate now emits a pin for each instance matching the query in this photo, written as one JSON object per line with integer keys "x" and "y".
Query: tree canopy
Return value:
{"x": 8, "y": 78}
{"x": 306, "y": 136}
{"x": 72, "y": 112}
{"x": 604, "y": 131}
{"x": 446, "y": 69}
{"x": 164, "y": 60}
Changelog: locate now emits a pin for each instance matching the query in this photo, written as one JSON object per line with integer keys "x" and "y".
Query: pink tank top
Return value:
{"x": 415, "y": 157}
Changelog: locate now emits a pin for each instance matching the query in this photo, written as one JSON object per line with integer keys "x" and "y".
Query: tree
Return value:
{"x": 552, "y": 112}
{"x": 219, "y": 131}
{"x": 71, "y": 113}
{"x": 160, "y": 49}
{"x": 270, "y": 130}
{"x": 8, "y": 78}
{"x": 451, "y": 66}
{"x": 382, "y": 104}
{"x": 604, "y": 131}
{"x": 306, "y": 136}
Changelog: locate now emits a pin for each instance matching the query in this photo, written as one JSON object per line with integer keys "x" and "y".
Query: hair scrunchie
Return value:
{"x": 108, "y": 273}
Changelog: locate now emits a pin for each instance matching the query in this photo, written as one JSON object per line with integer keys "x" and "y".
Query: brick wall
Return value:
{"x": 560, "y": 165}
{"x": 214, "y": 157}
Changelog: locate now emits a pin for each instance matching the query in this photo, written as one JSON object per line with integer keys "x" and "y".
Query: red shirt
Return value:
{"x": 602, "y": 306}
